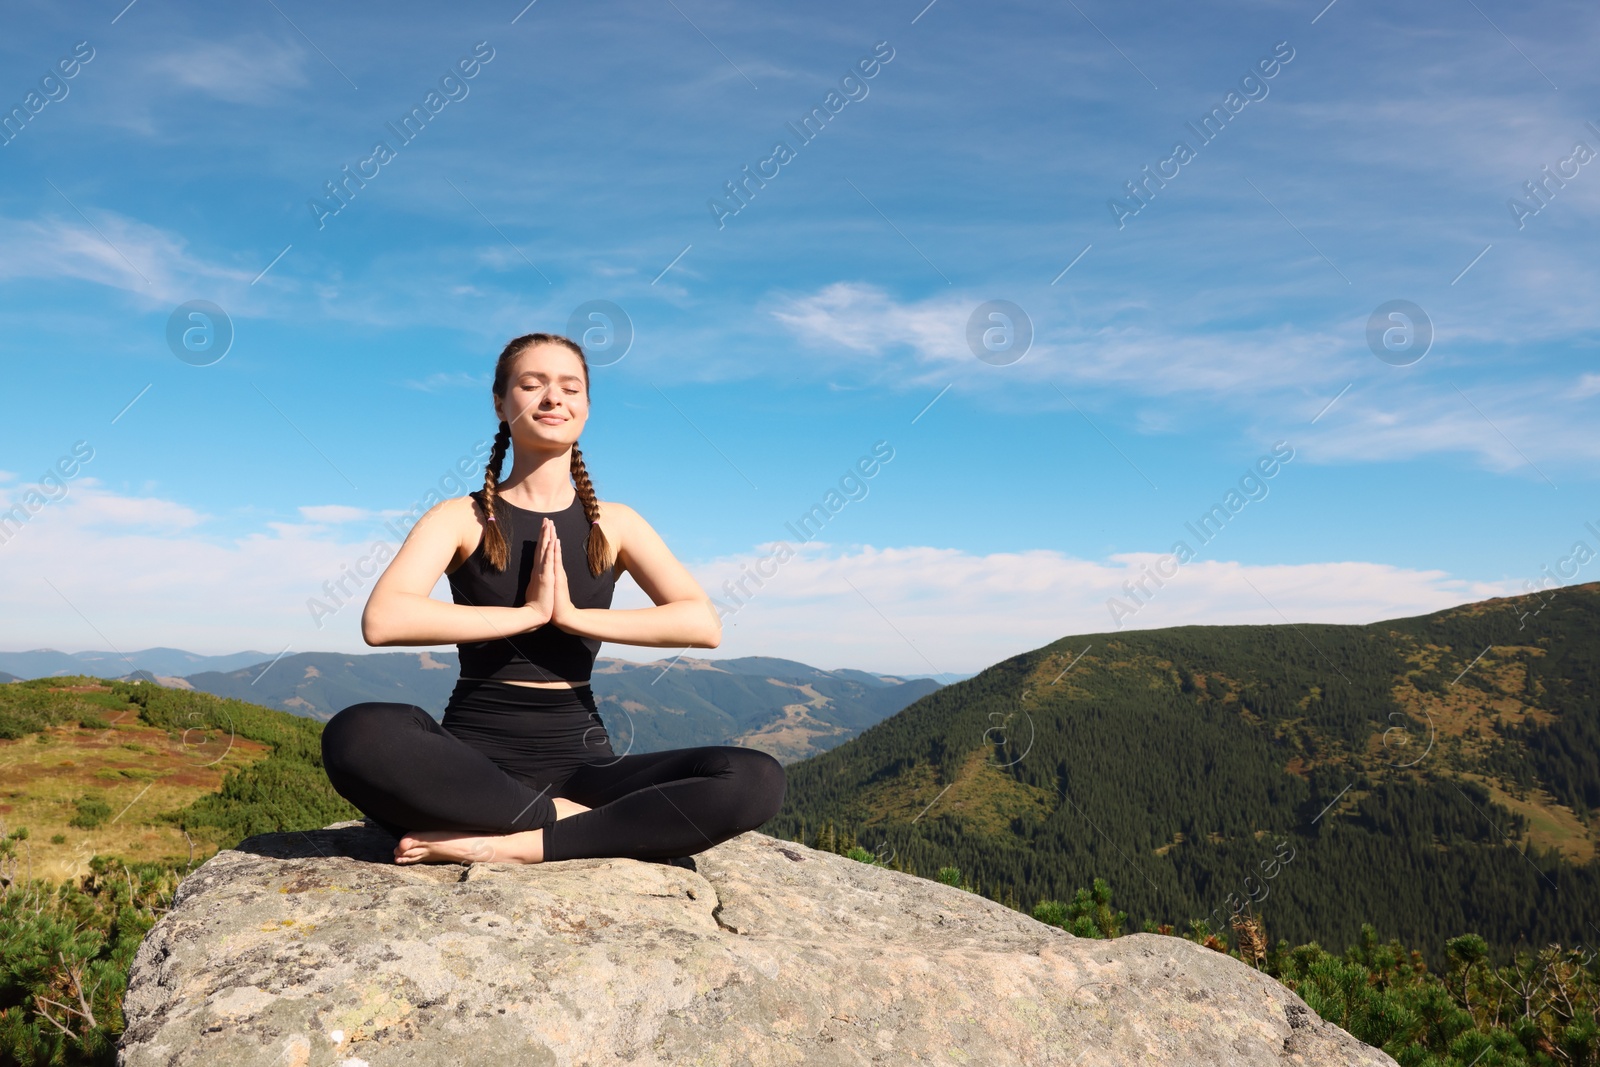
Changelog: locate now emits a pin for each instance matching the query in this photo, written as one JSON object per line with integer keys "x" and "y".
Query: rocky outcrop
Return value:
{"x": 311, "y": 949}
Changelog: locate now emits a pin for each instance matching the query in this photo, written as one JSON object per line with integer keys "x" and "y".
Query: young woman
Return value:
{"x": 521, "y": 768}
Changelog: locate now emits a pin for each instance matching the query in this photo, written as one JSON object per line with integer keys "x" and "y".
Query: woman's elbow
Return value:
{"x": 713, "y": 635}
{"x": 373, "y": 631}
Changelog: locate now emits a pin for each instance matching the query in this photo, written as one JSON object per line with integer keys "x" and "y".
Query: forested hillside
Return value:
{"x": 1431, "y": 775}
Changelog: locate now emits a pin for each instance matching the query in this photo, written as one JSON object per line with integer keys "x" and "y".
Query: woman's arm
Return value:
{"x": 683, "y": 614}
{"x": 400, "y": 611}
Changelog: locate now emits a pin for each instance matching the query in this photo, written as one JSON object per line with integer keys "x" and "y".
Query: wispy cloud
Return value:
{"x": 926, "y": 340}
{"x": 115, "y": 251}
{"x": 255, "y": 70}
{"x": 1532, "y": 427}
{"x": 1259, "y": 372}
{"x": 434, "y": 383}
{"x": 333, "y": 514}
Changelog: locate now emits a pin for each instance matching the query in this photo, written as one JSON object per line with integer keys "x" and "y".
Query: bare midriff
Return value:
{"x": 533, "y": 685}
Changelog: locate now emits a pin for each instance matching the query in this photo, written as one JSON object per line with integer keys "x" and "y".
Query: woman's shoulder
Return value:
{"x": 461, "y": 508}
{"x": 455, "y": 510}
{"x": 457, "y": 519}
{"x": 617, "y": 518}
{"x": 615, "y": 509}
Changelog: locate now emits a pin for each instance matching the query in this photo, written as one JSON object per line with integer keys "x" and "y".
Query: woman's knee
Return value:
{"x": 359, "y": 727}
{"x": 762, "y": 782}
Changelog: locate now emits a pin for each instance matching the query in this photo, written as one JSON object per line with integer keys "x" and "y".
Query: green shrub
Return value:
{"x": 1088, "y": 914}
{"x": 951, "y": 876}
{"x": 64, "y": 957}
{"x": 92, "y": 811}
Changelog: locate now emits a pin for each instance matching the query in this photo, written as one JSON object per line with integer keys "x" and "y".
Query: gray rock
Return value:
{"x": 313, "y": 949}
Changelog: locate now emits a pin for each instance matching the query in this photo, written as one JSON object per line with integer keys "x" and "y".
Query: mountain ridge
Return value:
{"x": 781, "y": 706}
{"x": 1203, "y": 766}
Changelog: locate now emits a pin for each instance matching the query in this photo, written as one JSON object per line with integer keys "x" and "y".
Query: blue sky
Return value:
{"x": 1172, "y": 346}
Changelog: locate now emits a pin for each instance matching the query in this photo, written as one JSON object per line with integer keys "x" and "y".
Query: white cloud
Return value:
{"x": 132, "y": 572}
{"x": 862, "y": 318}
{"x": 450, "y": 380}
{"x": 1530, "y": 427}
{"x": 1260, "y": 374}
{"x": 922, "y": 609}
{"x": 501, "y": 257}
{"x": 256, "y": 71}
{"x": 94, "y": 507}
{"x": 910, "y": 609}
{"x": 334, "y": 513}
{"x": 114, "y": 251}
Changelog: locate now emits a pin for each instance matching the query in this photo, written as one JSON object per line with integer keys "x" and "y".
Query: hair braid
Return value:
{"x": 494, "y": 539}
{"x": 595, "y": 547}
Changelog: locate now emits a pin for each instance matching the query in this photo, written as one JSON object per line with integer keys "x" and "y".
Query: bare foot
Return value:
{"x": 457, "y": 846}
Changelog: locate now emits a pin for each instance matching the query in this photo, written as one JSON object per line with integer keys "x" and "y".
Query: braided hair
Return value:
{"x": 596, "y": 549}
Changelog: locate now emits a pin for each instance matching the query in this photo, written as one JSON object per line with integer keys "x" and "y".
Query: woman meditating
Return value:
{"x": 521, "y": 768}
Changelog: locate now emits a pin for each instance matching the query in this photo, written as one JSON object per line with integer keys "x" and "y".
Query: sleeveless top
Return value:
{"x": 548, "y": 654}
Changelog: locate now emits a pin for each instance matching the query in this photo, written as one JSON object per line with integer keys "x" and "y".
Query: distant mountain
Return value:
{"x": 779, "y": 706}
{"x": 4, "y": 677}
{"x": 1433, "y": 775}
{"x": 789, "y": 709}
{"x": 943, "y": 677}
{"x": 318, "y": 684}
{"x": 162, "y": 662}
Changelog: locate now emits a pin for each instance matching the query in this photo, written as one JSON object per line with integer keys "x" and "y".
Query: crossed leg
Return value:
{"x": 448, "y": 802}
{"x": 410, "y": 775}
{"x": 662, "y": 805}
{"x": 656, "y": 805}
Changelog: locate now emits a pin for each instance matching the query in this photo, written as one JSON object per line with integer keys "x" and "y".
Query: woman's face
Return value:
{"x": 546, "y": 398}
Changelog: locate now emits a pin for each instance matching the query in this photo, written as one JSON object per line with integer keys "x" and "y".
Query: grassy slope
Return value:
{"x": 162, "y": 763}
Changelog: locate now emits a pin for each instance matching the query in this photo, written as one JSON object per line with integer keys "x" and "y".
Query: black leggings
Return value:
{"x": 503, "y": 751}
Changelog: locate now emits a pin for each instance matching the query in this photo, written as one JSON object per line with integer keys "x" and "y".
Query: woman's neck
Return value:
{"x": 542, "y": 483}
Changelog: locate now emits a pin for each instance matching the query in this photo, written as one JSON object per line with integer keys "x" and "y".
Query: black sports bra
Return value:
{"x": 548, "y": 654}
